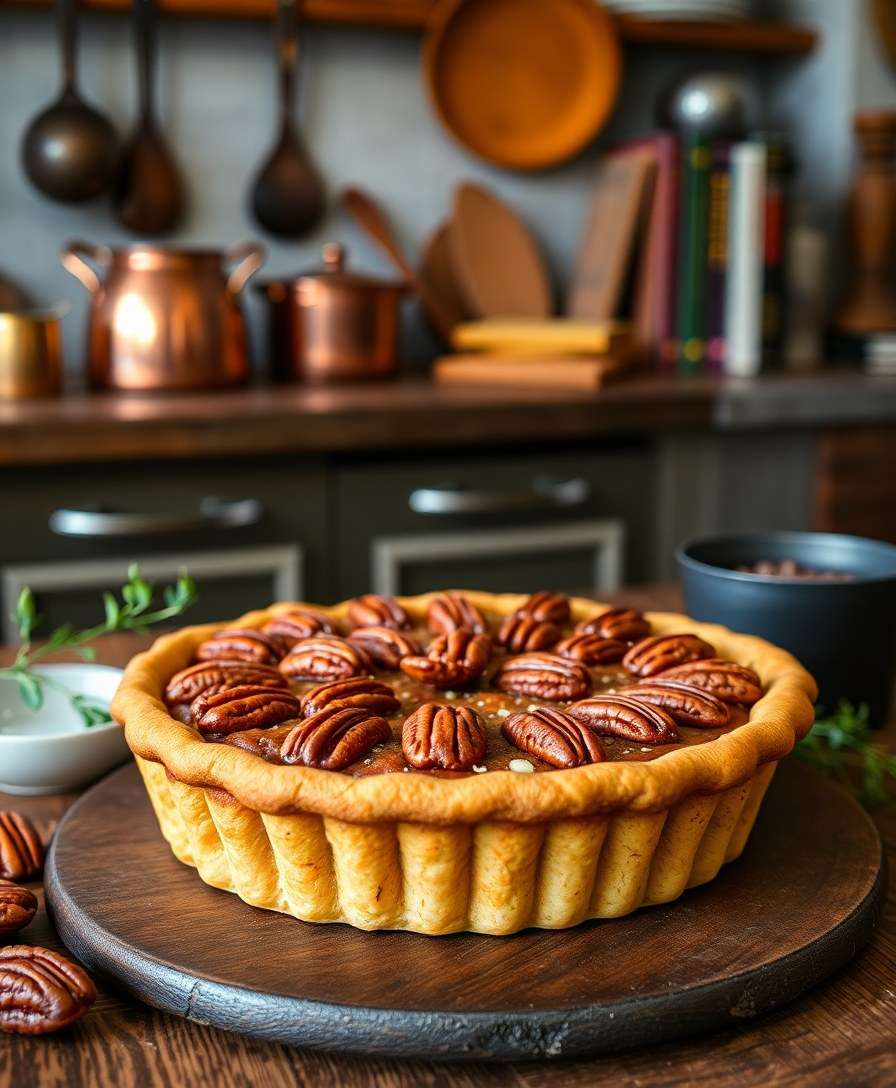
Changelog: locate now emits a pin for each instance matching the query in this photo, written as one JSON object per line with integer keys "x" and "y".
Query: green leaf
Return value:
{"x": 61, "y": 636}
{"x": 91, "y": 712}
{"x": 86, "y": 653}
{"x": 25, "y": 615}
{"x": 113, "y": 610}
{"x": 30, "y": 690}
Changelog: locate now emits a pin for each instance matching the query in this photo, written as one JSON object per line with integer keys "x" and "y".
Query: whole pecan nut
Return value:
{"x": 298, "y": 623}
{"x": 554, "y": 737}
{"x": 545, "y": 676}
{"x": 661, "y": 652}
{"x": 439, "y": 736}
{"x": 249, "y": 707}
{"x": 334, "y": 738}
{"x": 726, "y": 680}
{"x": 626, "y": 718}
{"x": 372, "y": 610}
{"x": 325, "y": 657}
{"x": 625, "y": 624}
{"x": 523, "y": 632}
{"x": 21, "y": 851}
{"x": 41, "y": 991}
{"x": 362, "y": 692}
{"x": 238, "y": 644}
{"x": 452, "y": 661}
{"x": 687, "y": 704}
{"x": 208, "y": 677}
{"x": 18, "y": 906}
{"x": 384, "y": 646}
{"x": 592, "y": 649}
{"x": 546, "y": 608}
{"x": 449, "y": 612}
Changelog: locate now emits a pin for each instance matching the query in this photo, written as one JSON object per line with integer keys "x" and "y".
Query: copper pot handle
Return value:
{"x": 72, "y": 256}
{"x": 253, "y": 256}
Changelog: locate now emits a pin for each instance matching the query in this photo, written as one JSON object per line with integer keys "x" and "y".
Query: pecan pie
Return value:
{"x": 460, "y": 760}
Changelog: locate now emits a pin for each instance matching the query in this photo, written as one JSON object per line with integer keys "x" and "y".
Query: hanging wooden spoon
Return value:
{"x": 288, "y": 193}
{"x": 372, "y": 220}
{"x": 149, "y": 197}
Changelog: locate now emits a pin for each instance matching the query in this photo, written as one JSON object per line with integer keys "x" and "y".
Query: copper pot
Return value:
{"x": 30, "y": 354}
{"x": 333, "y": 325}
{"x": 165, "y": 318}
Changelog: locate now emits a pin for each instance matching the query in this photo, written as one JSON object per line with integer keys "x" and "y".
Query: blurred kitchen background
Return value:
{"x": 646, "y": 296}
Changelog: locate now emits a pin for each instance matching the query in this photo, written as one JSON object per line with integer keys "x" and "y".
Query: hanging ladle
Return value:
{"x": 288, "y": 194}
{"x": 70, "y": 151}
{"x": 149, "y": 197}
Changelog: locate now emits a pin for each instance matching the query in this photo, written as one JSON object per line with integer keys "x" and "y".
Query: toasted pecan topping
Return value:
{"x": 687, "y": 704}
{"x": 360, "y": 692}
{"x": 554, "y": 737}
{"x": 449, "y": 612}
{"x": 439, "y": 736}
{"x": 238, "y": 644}
{"x": 298, "y": 623}
{"x": 247, "y": 707}
{"x": 625, "y": 624}
{"x": 546, "y": 676}
{"x": 325, "y": 657}
{"x": 452, "y": 661}
{"x": 627, "y": 718}
{"x": 726, "y": 680}
{"x": 546, "y": 608}
{"x": 334, "y": 738}
{"x": 661, "y": 652}
{"x": 207, "y": 677}
{"x": 523, "y": 632}
{"x": 592, "y": 649}
{"x": 372, "y": 610}
{"x": 384, "y": 646}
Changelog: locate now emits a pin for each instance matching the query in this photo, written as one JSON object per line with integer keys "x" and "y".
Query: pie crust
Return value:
{"x": 489, "y": 853}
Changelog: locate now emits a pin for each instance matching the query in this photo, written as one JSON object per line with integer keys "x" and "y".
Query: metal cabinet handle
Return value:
{"x": 212, "y": 514}
{"x": 543, "y": 494}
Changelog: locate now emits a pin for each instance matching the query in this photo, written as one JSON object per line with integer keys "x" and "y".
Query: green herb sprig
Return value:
{"x": 844, "y": 745}
{"x": 131, "y": 611}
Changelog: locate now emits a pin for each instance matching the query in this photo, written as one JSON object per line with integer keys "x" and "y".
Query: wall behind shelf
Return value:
{"x": 365, "y": 115}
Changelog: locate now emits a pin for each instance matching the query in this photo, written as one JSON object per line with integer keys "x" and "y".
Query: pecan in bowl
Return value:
{"x": 553, "y": 736}
{"x": 21, "y": 851}
{"x": 41, "y": 991}
{"x": 452, "y": 661}
{"x": 439, "y": 736}
{"x": 545, "y": 676}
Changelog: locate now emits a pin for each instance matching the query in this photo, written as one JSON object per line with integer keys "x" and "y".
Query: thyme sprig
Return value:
{"x": 844, "y": 745}
{"x": 132, "y": 610}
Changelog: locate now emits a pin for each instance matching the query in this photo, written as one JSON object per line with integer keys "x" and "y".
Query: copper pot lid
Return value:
{"x": 333, "y": 272}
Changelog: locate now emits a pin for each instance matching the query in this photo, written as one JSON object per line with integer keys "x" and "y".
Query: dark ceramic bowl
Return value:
{"x": 843, "y": 631}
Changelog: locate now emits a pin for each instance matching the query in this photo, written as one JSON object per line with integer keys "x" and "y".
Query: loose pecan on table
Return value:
{"x": 625, "y": 624}
{"x": 325, "y": 657}
{"x": 18, "y": 906}
{"x": 360, "y": 692}
{"x": 546, "y": 607}
{"x": 334, "y": 738}
{"x": 452, "y": 660}
{"x": 298, "y": 623}
{"x": 372, "y": 610}
{"x": 246, "y": 707}
{"x": 238, "y": 644}
{"x": 687, "y": 704}
{"x": 546, "y": 676}
{"x": 384, "y": 646}
{"x": 439, "y": 736}
{"x": 661, "y": 652}
{"x": 449, "y": 612}
{"x": 522, "y": 632}
{"x": 208, "y": 677}
{"x": 592, "y": 649}
{"x": 626, "y": 718}
{"x": 554, "y": 737}
{"x": 21, "y": 851}
{"x": 41, "y": 991}
{"x": 728, "y": 681}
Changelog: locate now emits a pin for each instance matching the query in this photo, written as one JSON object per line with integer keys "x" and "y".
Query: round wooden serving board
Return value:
{"x": 798, "y": 904}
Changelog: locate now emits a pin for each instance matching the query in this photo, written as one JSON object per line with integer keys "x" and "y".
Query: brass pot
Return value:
{"x": 165, "y": 318}
{"x": 30, "y": 354}
{"x": 333, "y": 325}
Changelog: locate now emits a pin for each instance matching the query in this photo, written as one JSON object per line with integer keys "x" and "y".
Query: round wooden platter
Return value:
{"x": 799, "y": 903}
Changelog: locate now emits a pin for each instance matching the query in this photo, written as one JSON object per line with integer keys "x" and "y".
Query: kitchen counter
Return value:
{"x": 835, "y": 1034}
{"x": 414, "y": 412}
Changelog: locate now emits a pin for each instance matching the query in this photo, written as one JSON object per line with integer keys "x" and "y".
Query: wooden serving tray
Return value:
{"x": 800, "y": 902}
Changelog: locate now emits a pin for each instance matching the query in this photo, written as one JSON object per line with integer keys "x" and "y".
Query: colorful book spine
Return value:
{"x": 717, "y": 254}
{"x": 691, "y": 326}
{"x": 746, "y": 245}
{"x": 774, "y": 285}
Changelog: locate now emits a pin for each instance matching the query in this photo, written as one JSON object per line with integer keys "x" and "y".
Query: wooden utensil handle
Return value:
{"x": 144, "y": 26}
{"x": 287, "y": 56}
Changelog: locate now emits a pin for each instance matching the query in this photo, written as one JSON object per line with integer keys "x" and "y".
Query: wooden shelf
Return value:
{"x": 780, "y": 39}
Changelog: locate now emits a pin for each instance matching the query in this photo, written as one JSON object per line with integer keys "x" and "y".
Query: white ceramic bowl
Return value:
{"x": 51, "y": 750}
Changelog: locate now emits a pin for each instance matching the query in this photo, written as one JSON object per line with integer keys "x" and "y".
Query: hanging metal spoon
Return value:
{"x": 288, "y": 194}
{"x": 149, "y": 196}
{"x": 70, "y": 151}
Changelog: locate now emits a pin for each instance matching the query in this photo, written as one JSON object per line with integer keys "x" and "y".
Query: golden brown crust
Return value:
{"x": 777, "y": 721}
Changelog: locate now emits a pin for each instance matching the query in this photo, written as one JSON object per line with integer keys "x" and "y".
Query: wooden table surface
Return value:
{"x": 843, "y": 1033}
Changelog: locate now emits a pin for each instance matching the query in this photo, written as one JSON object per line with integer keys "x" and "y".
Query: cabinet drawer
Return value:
{"x": 562, "y": 520}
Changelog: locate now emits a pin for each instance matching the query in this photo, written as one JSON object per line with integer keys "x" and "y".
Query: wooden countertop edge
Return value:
{"x": 414, "y": 412}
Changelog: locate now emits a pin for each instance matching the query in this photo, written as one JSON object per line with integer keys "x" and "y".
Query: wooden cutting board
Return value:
{"x": 799, "y": 903}
{"x": 496, "y": 260}
{"x": 542, "y": 371}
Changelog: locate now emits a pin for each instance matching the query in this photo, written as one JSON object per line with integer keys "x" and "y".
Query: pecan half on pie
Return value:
{"x": 460, "y": 760}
